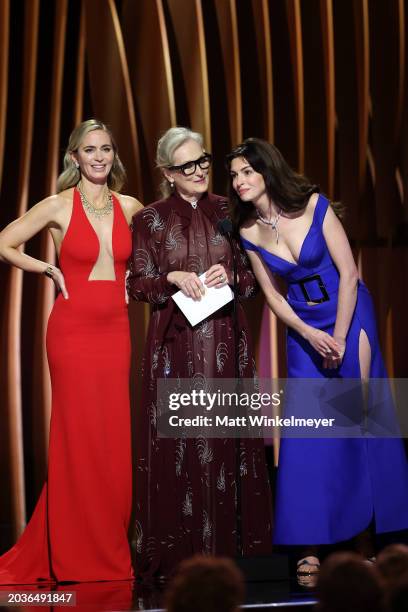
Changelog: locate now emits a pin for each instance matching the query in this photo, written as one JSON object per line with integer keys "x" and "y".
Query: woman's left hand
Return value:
{"x": 333, "y": 360}
{"x": 217, "y": 276}
{"x": 127, "y": 273}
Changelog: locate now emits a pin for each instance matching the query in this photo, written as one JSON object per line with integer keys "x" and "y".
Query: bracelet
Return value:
{"x": 49, "y": 271}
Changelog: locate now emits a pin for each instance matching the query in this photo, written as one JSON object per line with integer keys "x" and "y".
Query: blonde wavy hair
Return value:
{"x": 71, "y": 175}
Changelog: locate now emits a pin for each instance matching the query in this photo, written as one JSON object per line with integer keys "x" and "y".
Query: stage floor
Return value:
{"x": 121, "y": 596}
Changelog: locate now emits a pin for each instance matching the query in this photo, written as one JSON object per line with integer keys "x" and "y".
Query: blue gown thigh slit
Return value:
{"x": 329, "y": 490}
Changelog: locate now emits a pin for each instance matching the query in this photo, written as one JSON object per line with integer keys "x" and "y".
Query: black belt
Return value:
{"x": 317, "y": 278}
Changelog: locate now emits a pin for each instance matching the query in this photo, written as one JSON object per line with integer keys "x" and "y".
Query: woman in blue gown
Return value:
{"x": 328, "y": 490}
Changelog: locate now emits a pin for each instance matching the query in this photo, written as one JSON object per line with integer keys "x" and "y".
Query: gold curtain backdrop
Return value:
{"x": 325, "y": 80}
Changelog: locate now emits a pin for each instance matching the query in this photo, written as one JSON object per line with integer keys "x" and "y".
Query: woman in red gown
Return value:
{"x": 78, "y": 531}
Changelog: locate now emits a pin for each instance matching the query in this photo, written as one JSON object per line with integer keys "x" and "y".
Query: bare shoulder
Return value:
{"x": 61, "y": 204}
{"x": 130, "y": 205}
{"x": 53, "y": 207}
{"x": 66, "y": 195}
{"x": 63, "y": 199}
{"x": 52, "y": 212}
{"x": 248, "y": 229}
{"x": 311, "y": 204}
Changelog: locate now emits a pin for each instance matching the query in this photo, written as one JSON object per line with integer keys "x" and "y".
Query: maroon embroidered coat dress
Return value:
{"x": 185, "y": 489}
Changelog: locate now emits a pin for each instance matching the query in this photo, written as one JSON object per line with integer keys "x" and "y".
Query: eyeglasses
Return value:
{"x": 190, "y": 167}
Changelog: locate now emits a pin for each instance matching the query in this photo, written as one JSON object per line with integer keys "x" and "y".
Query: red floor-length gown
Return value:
{"x": 78, "y": 531}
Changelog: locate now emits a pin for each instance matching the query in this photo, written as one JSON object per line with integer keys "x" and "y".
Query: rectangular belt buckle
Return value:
{"x": 321, "y": 286}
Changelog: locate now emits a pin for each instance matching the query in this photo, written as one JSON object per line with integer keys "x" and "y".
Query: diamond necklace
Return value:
{"x": 96, "y": 212}
{"x": 272, "y": 223}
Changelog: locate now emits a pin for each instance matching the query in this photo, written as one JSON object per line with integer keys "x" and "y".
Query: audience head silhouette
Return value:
{"x": 205, "y": 584}
{"x": 392, "y": 563}
{"x": 349, "y": 582}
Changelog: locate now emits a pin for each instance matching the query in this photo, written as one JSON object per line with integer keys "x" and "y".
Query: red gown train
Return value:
{"x": 78, "y": 531}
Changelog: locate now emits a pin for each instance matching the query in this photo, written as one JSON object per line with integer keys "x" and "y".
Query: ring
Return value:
{"x": 222, "y": 278}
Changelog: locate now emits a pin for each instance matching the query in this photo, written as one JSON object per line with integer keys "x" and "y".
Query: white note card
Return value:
{"x": 213, "y": 299}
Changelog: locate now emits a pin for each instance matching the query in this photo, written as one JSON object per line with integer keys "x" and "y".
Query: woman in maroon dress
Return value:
{"x": 186, "y": 489}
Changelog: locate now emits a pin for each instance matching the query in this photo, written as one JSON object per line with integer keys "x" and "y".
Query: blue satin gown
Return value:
{"x": 329, "y": 490}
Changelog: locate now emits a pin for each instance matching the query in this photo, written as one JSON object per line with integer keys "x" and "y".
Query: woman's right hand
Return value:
{"x": 188, "y": 283}
{"x": 59, "y": 281}
{"x": 322, "y": 342}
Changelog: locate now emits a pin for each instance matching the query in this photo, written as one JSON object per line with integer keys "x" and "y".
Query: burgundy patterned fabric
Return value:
{"x": 186, "y": 489}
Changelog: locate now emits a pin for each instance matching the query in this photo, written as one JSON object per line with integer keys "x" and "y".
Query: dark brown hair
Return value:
{"x": 392, "y": 563}
{"x": 347, "y": 582}
{"x": 288, "y": 189}
{"x": 206, "y": 583}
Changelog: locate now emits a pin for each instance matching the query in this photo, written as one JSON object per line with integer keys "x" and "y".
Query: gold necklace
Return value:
{"x": 99, "y": 213}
